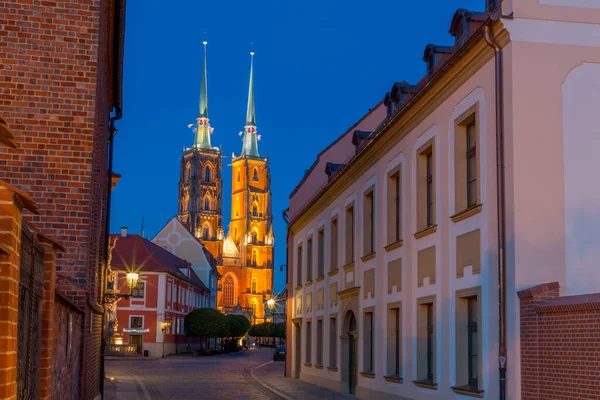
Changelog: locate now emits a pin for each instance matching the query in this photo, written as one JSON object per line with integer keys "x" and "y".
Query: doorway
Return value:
{"x": 138, "y": 341}
{"x": 349, "y": 352}
{"x": 297, "y": 350}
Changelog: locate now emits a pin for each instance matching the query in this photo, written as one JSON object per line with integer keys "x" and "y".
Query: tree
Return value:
{"x": 205, "y": 323}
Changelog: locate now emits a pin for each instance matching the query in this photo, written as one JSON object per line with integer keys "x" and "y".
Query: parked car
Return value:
{"x": 279, "y": 353}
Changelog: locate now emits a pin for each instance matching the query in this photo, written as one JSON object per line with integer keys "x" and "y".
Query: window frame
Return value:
{"x": 334, "y": 243}
{"x": 136, "y": 290}
{"x": 471, "y": 155}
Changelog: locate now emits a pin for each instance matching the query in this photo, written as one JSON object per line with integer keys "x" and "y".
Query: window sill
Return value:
{"x": 332, "y": 369}
{"x": 467, "y": 390}
{"x": 368, "y": 374}
{"x": 307, "y": 365}
{"x": 395, "y": 245}
{"x": 426, "y": 384}
{"x": 308, "y": 283}
{"x": 298, "y": 287}
{"x": 320, "y": 278}
{"x": 367, "y": 257}
{"x": 469, "y": 212}
{"x": 393, "y": 378}
{"x": 318, "y": 366}
{"x": 424, "y": 232}
{"x": 349, "y": 266}
{"x": 332, "y": 273}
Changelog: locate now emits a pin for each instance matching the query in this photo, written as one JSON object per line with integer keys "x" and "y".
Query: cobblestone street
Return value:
{"x": 186, "y": 377}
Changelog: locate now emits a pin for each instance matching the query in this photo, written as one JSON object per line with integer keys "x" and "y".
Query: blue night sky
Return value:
{"x": 319, "y": 66}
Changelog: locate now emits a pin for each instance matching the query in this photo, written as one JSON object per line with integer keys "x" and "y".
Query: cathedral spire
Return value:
{"x": 250, "y": 143}
{"x": 203, "y": 128}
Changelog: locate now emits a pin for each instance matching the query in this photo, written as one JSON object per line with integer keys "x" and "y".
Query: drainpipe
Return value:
{"x": 500, "y": 198}
{"x": 113, "y": 131}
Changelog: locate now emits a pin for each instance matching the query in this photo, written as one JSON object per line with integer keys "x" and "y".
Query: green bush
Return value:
{"x": 206, "y": 323}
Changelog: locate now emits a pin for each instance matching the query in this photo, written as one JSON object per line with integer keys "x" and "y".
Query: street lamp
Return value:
{"x": 271, "y": 303}
{"x": 112, "y": 297}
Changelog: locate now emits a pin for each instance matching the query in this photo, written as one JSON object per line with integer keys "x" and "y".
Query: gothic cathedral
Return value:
{"x": 245, "y": 254}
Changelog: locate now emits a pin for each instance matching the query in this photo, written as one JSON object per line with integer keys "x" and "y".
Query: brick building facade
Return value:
{"x": 560, "y": 344}
{"x": 61, "y": 73}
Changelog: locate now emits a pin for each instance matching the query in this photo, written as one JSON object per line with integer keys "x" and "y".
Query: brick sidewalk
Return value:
{"x": 270, "y": 375}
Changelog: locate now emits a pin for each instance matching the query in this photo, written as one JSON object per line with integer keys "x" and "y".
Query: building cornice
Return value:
{"x": 467, "y": 61}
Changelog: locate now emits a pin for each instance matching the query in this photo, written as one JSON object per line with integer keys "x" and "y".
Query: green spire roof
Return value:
{"x": 250, "y": 142}
{"x": 203, "y": 128}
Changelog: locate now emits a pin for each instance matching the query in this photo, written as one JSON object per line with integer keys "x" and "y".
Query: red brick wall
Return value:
{"x": 55, "y": 74}
{"x": 560, "y": 344}
{"x": 66, "y": 361}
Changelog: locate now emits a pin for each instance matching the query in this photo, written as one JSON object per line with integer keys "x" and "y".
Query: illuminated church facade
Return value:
{"x": 245, "y": 251}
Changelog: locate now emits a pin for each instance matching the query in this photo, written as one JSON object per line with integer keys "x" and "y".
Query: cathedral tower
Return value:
{"x": 248, "y": 253}
{"x": 200, "y": 183}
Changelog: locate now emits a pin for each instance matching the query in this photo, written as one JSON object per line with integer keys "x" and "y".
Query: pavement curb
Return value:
{"x": 268, "y": 387}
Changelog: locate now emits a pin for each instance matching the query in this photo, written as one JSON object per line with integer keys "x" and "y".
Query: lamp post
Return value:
{"x": 166, "y": 324}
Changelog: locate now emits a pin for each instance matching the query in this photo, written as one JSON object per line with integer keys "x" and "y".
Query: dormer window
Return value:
{"x": 434, "y": 54}
{"x": 462, "y": 23}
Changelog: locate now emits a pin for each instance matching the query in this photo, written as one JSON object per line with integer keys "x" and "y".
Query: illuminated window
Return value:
{"x": 228, "y": 291}
{"x": 254, "y": 258}
{"x": 255, "y": 210}
{"x": 254, "y": 284}
{"x": 138, "y": 290}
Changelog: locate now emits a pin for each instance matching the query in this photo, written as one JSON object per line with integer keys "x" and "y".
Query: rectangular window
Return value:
{"x": 136, "y": 322}
{"x": 394, "y": 349}
{"x": 138, "y": 290}
{"x": 307, "y": 356}
{"x": 466, "y": 184}
{"x": 309, "y": 259}
{"x": 299, "y": 266}
{"x": 468, "y": 362}
{"x": 471, "y": 165}
{"x": 321, "y": 252}
{"x": 368, "y": 355}
{"x": 369, "y": 224}
{"x": 429, "y": 189}
{"x": 320, "y": 342}
{"x": 349, "y": 250}
{"x": 426, "y": 187}
{"x": 393, "y": 209}
{"x": 473, "y": 357}
{"x": 333, "y": 245}
{"x": 332, "y": 342}
{"x": 426, "y": 348}
{"x": 168, "y": 293}
{"x": 430, "y": 341}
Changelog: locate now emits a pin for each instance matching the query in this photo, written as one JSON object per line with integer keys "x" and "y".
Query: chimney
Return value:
{"x": 123, "y": 231}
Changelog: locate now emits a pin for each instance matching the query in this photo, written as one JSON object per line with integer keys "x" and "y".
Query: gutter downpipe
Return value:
{"x": 111, "y": 138}
{"x": 500, "y": 198}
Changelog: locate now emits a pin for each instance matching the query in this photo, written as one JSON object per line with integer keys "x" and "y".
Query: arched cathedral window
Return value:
{"x": 205, "y": 233}
{"x": 207, "y": 174}
{"x": 255, "y": 175}
{"x": 254, "y": 285}
{"x": 254, "y": 262}
{"x": 255, "y": 210}
{"x": 206, "y": 204}
{"x": 253, "y": 236}
{"x": 228, "y": 291}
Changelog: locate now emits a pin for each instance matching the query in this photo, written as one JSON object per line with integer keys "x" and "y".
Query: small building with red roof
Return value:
{"x": 167, "y": 289}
